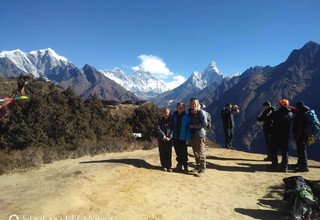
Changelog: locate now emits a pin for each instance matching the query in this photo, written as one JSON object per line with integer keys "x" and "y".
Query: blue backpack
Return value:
{"x": 312, "y": 127}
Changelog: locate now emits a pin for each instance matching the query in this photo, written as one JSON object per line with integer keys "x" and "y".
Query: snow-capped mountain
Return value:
{"x": 206, "y": 77}
{"x": 194, "y": 84}
{"x": 143, "y": 84}
{"x": 37, "y": 63}
{"x": 57, "y": 69}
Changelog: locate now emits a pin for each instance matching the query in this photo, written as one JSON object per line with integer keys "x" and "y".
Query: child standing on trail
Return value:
{"x": 164, "y": 129}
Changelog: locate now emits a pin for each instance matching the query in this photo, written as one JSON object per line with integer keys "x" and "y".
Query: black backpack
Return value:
{"x": 301, "y": 199}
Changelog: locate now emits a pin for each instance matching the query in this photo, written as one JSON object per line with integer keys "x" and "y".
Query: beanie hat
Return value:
{"x": 267, "y": 104}
{"x": 284, "y": 102}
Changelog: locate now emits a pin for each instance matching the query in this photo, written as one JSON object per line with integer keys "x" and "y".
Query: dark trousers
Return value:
{"x": 274, "y": 155}
{"x": 165, "y": 152}
{"x": 302, "y": 153}
{"x": 228, "y": 137}
{"x": 181, "y": 150}
{"x": 267, "y": 141}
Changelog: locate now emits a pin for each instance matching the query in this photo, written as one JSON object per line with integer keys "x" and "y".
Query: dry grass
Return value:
{"x": 34, "y": 157}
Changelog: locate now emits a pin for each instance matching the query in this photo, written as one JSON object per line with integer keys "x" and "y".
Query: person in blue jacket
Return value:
{"x": 181, "y": 134}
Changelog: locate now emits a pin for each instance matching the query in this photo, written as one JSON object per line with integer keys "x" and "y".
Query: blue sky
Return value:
{"x": 173, "y": 38}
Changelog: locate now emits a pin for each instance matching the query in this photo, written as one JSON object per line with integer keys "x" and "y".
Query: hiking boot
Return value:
{"x": 195, "y": 170}
{"x": 164, "y": 169}
{"x": 185, "y": 169}
{"x": 199, "y": 173}
{"x": 178, "y": 169}
{"x": 302, "y": 169}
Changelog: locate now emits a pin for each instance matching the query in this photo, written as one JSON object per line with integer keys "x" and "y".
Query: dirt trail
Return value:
{"x": 130, "y": 186}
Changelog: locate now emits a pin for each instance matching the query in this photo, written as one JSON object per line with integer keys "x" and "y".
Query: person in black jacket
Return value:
{"x": 164, "y": 130}
{"x": 299, "y": 126}
{"x": 280, "y": 135}
{"x": 228, "y": 123}
{"x": 265, "y": 117}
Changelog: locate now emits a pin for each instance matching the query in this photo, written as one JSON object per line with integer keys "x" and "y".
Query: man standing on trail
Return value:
{"x": 265, "y": 117}
{"x": 299, "y": 127}
{"x": 198, "y": 123}
{"x": 181, "y": 134}
{"x": 280, "y": 135}
{"x": 228, "y": 123}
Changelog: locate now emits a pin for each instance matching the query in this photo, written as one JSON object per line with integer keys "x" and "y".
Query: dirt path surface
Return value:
{"x": 130, "y": 185}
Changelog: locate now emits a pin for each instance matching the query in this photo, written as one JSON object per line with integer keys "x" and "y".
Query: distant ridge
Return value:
{"x": 142, "y": 84}
{"x": 47, "y": 64}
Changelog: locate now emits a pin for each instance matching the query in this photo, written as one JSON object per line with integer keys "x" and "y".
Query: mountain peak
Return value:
{"x": 308, "y": 53}
{"x": 212, "y": 67}
{"x": 11, "y": 53}
{"x": 200, "y": 80}
{"x": 311, "y": 43}
{"x": 141, "y": 83}
{"x": 142, "y": 73}
{"x": 116, "y": 69}
{"x": 87, "y": 66}
{"x": 49, "y": 52}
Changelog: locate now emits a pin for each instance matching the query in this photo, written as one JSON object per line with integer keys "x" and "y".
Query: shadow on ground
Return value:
{"x": 247, "y": 167}
{"x": 259, "y": 213}
{"x": 243, "y": 167}
{"x": 270, "y": 206}
{"x": 227, "y": 158}
{"x": 129, "y": 161}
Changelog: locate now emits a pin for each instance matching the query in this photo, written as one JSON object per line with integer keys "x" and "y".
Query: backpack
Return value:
{"x": 208, "y": 127}
{"x": 312, "y": 130}
{"x": 300, "y": 199}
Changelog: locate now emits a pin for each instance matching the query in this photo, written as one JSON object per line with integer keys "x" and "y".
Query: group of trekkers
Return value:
{"x": 276, "y": 127}
{"x": 183, "y": 127}
{"x": 180, "y": 128}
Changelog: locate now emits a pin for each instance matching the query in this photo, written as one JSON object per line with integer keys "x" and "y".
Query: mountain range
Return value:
{"x": 86, "y": 81}
{"x": 296, "y": 79}
{"x": 47, "y": 64}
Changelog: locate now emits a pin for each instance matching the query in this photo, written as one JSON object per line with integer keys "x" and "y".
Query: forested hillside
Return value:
{"x": 55, "y": 123}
